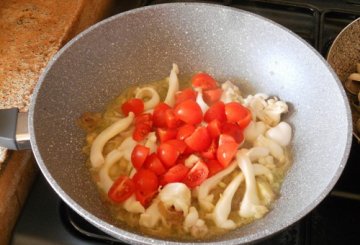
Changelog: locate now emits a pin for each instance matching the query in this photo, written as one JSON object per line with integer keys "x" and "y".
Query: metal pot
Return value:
{"x": 139, "y": 46}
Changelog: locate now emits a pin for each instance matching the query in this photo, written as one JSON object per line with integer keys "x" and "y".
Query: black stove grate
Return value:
{"x": 337, "y": 219}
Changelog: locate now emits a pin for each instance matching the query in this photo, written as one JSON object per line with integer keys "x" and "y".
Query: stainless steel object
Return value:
{"x": 140, "y": 46}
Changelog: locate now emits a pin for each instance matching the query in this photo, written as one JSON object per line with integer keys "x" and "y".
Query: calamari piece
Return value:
{"x": 250, "y": 205}
{"x": 253, "y": 130}
{"x": 262, "y": 170}
{"x": 223, "y": 206}
{"x": 205, "y": 200}
{"x": 194, "y": 224}
{"x": 105, "y": 180}
{"x": 173, "y": 86}
{"x": 152, "y": 215}
{"x": 230, "y": 93}
{"x": 200, "y": 100}
{"x": 275, "y": 149}
{"x": 281, "y": 133}
{"x": 151, "y": 142}
{"x": 127, "y": 146}
{"x": 96, "y": 155}
{"x": 176, "y": 195}
{"x": 150, "y": 94}
{"x": 133, "y": 206}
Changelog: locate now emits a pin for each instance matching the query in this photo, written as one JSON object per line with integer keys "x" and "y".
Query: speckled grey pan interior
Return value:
{"x": 140, "y": 46}
{"x": 343, "y": 55}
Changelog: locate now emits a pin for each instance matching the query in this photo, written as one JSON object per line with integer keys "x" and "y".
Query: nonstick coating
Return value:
{"x": 140, "y": 46}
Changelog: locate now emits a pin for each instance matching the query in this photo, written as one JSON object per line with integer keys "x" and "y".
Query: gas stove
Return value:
{"x": 47, "y": 220}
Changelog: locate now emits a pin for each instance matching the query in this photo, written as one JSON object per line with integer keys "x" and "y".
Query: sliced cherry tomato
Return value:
{"x": 145, "y": 181}
{"x": 211, "y": 96}
{"x": 216, "y": 111}
{"x": 214, "y": 128}
{"x": 170, "y": 119}
{"x": 140, "y": 132}
{"x": 200, "y": 140}
{"x": 243, "y": 123}
{"x": 226, "y": 150}
{"x": 134, "y": 105}
{"x": 196, "y": 175}
{"x": 185, "y": 94}
{"x": 175, "y": 174}
{"x": 204, "y": 81}
{"x": 189, "y": 112}
{"x": 234, "y": 131}
{"x": 235, "y": 112}
{"x": 178, "y": 144}
{"x": 214, "y": 167}
{"x": 165, "y": 134}
{"x": 159, "y": 118}
{"x": 122, "y": 189}
{"x": 154, "y": 164}
{"x": 185, "y": 131}
{"x": 139, "y": 155}
{"x": 168, "y": 154}
{"x": 210, "y": 153}
{"x": 144, "y": 199}
{"x": 145, "y": 118}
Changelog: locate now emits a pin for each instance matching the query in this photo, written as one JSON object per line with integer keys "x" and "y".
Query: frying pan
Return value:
{"x": 139, "y": 46}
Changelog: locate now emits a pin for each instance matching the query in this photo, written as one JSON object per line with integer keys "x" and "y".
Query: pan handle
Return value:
{"x": 14, "y": 133}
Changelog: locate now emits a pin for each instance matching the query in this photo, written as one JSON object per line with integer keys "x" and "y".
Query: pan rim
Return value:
{"x": 133, "y": 237}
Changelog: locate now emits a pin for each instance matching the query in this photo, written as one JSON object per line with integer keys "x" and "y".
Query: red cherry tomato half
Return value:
{"x": 243, "y": 123}
{"x": 185, "y": 94}
{"x": 214, "y": 128}
{"x": 214, "y": 167}
{"x": 144, "y": 199}
{"x": 175, "y": 174}
{"x": 122, "y": 189}
{"x": 196, "y": 175}
{"x": 168, "y": 154}
{"x": 170, "y": 119}
{"x": 154, "y": 164}
{"x": 146, "y": 181}
{"x": 212, "y": 95}
{"x": 216, "y": 111}
{"x": 189, "y": 112}
{"x": 178, "y": 144}
{"x": 200, "y": 140}
{"x": 185, "y": 131}
{"x": 159, "y": 117}
{"x": 145, "y": 118}
{"x": 139, "y": 155}
{"x": 165, "y": 134}
{"x": 134, "y": 105}
{"x": 226, "y": 150}
{"x": 210, "y": 153}
{"x": 140, "y": 132}
{"x": 235, "y": 112}
{"x": 234, "y": 131}
{"x": 204, "y": 81}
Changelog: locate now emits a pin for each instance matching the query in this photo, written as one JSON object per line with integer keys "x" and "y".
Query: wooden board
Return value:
{"x": 32, "y": 31}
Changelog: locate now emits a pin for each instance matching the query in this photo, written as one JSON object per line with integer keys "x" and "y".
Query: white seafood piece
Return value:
{"x": 151, "y": 142}
{"x": 275, "y": 149}
{"x": 173, "y": 86}
{"x": 222, "y": 209}
{"x": 96, "y": 155}
{"x": 152, "y": 215}
{"x": 200, "y": 100}
{"x": 149, "y": 95}
{"x": 281, "y": 133}
{"x": 253, "y": 130}
{"x": 257, "y": 152}
{"x": 230, "y": 93}
{"x": 133, "y": 206}
{"x": 194, "y": 224}
{"x": 250, "y": 205}
{"x": 204, "y": 198}
{"x": 176, "y": 195}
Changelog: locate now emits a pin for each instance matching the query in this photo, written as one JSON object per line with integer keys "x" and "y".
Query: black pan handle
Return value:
{"x": 14, "y": 133}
